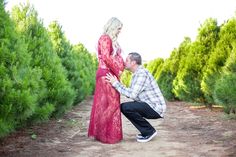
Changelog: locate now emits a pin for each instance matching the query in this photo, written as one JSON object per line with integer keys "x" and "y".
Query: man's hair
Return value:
{"x": 134, "y": 56}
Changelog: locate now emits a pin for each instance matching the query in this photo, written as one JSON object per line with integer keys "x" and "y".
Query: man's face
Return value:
{"x": 128, "y": 63}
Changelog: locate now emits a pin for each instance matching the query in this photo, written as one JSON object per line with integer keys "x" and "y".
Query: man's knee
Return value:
{"x": 125, "y": 107}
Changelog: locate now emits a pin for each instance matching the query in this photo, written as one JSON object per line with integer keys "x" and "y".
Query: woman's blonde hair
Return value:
{"x": 111, "y": 28}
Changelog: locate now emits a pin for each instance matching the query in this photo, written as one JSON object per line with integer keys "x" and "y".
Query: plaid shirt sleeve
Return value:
{"x": 137, "y": 85}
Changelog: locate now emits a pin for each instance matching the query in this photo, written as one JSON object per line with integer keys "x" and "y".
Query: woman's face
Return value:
{"x": 118, "y": 31}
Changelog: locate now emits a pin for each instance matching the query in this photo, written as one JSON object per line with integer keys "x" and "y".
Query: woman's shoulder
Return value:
{"x": 104, "y": 37}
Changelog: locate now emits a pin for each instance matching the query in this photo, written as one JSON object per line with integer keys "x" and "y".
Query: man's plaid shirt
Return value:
{"x": 144, "y": 88}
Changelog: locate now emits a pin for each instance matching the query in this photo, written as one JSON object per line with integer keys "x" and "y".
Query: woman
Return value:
{"x": 105, "y": 120}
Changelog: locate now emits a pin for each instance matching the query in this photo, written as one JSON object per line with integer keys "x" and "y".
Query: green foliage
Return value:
{"x": 170, "y": 68}
{"x": 43, "y": 113}
{"x": 225, "y": 87}
{"x": 33, "y": 136}
{"x": 218, "y": 58}
{"x": 225, "y": 92}
{"x": 60, "y": 44}
{"x": 126, "y": 77}
{"x": 80, "y": 65}
{"x": 19, "y": 97}
{"x": 154, "y": 66}
{"x": 54, "y": 87}
{"x": 19, "y": 81}
{"x": 34, "y": 83}
{"x": 165, "y": 80}
{"x": 187, "y": 85}
{"x": 85, "y": 70}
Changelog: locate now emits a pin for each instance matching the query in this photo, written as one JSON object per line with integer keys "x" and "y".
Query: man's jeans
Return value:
{"x": 136, "y": 112}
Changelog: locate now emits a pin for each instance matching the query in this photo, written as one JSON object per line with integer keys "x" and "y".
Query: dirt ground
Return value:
{"x": 184, "y": 132}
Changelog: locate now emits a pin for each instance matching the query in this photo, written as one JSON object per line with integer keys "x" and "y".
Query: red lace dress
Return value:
{"x": 105, "y": 119}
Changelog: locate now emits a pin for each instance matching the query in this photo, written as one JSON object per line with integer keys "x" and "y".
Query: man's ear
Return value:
{"x": 133, "y": 62}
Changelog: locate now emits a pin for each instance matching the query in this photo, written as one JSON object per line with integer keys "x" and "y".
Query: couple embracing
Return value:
{"x": 148, "y": 102}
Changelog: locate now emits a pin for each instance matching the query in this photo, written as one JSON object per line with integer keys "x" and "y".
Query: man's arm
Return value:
{"x": 132, "y": 92}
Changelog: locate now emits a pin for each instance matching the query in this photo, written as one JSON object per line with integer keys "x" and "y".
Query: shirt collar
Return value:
{"x": 138, "y": 68}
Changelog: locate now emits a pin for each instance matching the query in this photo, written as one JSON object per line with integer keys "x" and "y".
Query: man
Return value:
{"x": 148, "y": 103}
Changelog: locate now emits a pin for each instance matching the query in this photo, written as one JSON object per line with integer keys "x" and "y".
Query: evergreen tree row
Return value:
{"x": 42, "y": 75}
{"x": 204, "y": 70}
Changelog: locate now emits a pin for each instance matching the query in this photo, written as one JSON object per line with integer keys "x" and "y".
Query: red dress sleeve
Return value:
{"x": 105, "y": 49}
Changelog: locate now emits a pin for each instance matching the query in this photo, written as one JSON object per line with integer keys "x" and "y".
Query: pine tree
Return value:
{"x": 225, "y": 87}
{"x": 56, "y": 94}
{"x": 86, "y": 69}
{"x": 19, "y": 81}
{"x": 171, "y": 67}
{"x": 187, "y": 85}
{"x": 218, "y": 57}
{"x": 78, "y": 62}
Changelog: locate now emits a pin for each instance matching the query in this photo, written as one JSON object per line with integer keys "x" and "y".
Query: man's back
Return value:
{"x": 150, "y": 91}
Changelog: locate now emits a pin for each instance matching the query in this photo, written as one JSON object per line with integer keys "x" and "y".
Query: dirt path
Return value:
{"x": 185, "y": 132}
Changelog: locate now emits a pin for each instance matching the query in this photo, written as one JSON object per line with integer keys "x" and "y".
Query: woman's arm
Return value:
{"x": 114, "y": 63}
